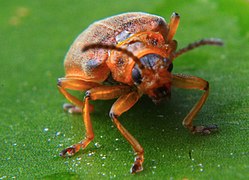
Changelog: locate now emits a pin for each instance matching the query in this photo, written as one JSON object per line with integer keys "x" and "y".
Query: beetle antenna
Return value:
{"x": 113, "y": 47}
{"x": 211, "y": 41}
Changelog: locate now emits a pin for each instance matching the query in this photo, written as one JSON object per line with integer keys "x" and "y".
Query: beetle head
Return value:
{"x": 154, "y": 79}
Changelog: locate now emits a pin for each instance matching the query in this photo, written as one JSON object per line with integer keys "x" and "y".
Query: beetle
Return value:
{"x": 124, "y": 57}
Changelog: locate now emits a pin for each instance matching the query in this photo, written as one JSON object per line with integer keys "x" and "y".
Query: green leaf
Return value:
{"x": 35, "y": 36}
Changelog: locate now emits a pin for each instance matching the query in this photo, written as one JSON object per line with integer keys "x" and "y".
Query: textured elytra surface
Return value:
{"x": 105, "y": 32}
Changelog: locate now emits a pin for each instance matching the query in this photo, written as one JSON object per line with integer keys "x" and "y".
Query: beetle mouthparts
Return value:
{"x": 160, "y": 94}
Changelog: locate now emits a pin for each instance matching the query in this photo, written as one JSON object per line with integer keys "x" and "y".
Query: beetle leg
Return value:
{"x": 173, "y": 25}
{"x": 101, "y": 92}
{"x": 192, "y": 82}
{"x": 72, "y": 109}
{"x": 74, "y": 84}
{"x": 70, "y": 151}
{"x": 123, "y": 104}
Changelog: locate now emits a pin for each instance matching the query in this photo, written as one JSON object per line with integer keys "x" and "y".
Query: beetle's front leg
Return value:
{"x": 192, "y": 82}
{"x": 101, "y": 92}
{"x": 123, "y": 104}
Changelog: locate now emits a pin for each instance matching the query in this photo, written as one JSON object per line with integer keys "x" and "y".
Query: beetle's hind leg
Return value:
{"x": 72, "y": 109}
{"x": 192, "y": 82}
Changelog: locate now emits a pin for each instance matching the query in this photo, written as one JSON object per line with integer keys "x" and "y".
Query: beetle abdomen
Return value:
{"x": 90, "y": 65}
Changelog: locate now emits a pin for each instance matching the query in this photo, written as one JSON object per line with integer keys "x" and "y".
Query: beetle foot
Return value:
{"x": 137, "y": 166}
{"x": 68, "y": 152}
{"x": 72, "y": 109}
{"x": 205, "y": 129}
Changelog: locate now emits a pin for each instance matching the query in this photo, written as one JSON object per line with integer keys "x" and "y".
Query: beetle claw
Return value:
{"x": 205, "y": 129}
{"x": 70, "y": 151}
{"x": 72, "y": 109}
{"x": 137, "y": 166}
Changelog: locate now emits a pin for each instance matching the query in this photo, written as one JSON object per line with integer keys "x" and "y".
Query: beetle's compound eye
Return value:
{"x": 170, "y": 68}
{"x": 136, "y": 76}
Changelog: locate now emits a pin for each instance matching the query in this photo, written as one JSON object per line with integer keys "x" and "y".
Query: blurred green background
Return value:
{"x": 34, "y": 38}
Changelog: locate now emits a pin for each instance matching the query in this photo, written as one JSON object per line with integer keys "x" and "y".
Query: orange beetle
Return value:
{"x": 124, "y": 57}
